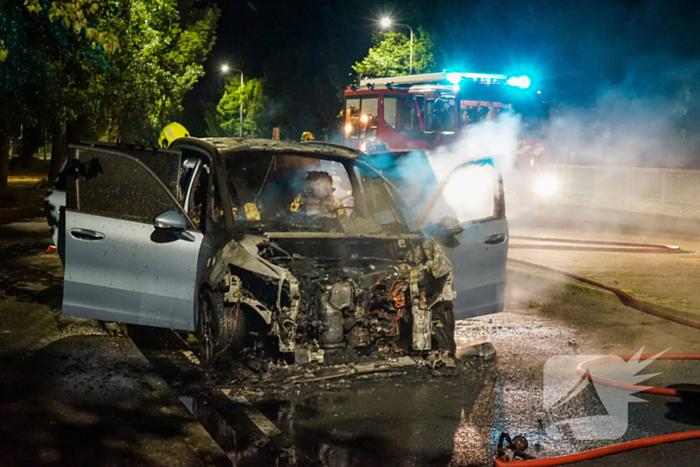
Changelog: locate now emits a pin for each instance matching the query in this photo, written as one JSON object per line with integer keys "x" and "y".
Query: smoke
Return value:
{"x": 649, "y": 118}
{"x": 469, "y": 193}
{"x": 470, "y": 190}
{"x": 621, "y": 130}
{"x": 490, "y": 139}
{"x": 641, "y": 121}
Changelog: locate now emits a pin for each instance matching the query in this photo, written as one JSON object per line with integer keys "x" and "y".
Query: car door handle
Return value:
{"x": 86, "y": 234}
{"x": 495, "y": 239}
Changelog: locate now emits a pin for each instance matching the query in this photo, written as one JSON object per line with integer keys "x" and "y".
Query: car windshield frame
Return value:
{"x": 361, "y": 213}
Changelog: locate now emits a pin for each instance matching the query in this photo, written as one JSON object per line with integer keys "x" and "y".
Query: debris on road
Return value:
{"x": 439, "y": 359}
{"x": 341, "y": 371}
{"x": 477, "y": 348}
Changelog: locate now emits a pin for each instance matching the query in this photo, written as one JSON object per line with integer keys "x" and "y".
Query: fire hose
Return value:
{"x": 516, "y": 446}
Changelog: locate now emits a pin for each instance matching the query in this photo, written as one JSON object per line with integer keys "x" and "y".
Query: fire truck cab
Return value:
{"x": 426, "y": 111}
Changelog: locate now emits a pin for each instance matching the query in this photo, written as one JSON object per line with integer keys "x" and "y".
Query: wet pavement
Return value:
{"x": 71, "y": 394}
{"x": 668, "y": 280}
{"x": 417, "y": 419}
{"x": 406, "y": 417}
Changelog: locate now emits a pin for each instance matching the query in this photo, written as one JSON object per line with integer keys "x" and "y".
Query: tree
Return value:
{"x": 390, "y": 55}
{"x": 74, "y": 15}
{"x": 160, "y": 60}
{"x": 87, "y": 69}
{"x": 44, "y": 74}
{"x": 255, "y": 109}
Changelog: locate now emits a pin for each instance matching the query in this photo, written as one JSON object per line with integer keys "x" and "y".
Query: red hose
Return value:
{"x": 600, "y": 452}
{"x": 632, "y": 303}
{"x": 583, "y": 366}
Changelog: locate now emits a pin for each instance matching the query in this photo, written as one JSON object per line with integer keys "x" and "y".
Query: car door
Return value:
{"x": 118, "y": 265}
{"x": 479, "y": 253}
{"x": 473, "y": 195}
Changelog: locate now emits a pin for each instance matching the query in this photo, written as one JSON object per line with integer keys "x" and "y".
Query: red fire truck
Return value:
{"x": 423, "y": 112}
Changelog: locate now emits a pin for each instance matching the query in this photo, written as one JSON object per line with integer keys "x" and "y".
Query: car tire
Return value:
{"x": 206, "y": 327}
{"x": 231, "y": 323}
{"x": 222, "y": 329}
{"x": 443, "y": 317}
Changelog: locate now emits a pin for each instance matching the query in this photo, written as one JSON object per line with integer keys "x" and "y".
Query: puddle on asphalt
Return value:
{"x": 377, "y": 423}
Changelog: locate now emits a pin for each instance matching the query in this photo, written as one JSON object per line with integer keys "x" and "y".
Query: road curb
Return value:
{"x": 614, "y": 219}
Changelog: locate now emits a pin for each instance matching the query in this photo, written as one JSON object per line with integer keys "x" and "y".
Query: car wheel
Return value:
{"x": 444, "y": 326}
{"x": 231, "y": 322}
{"x": 222, "y": 328}
{"x": 206, "y": 327}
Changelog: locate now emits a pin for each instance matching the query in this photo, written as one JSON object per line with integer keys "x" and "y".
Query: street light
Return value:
{"x": 225, "y": 69}
{"x": 386, "y": 23}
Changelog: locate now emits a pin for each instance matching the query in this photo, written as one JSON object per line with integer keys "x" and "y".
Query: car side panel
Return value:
{"x": 133, "y": 275}
{"x": 479, "y": 268}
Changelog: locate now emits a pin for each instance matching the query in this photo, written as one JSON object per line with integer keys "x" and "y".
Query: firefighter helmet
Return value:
{"x": 170, "y": 133}
{"x": 307, "y": 136}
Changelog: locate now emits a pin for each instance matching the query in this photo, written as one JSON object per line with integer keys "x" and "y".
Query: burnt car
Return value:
{"x": 244, "y": 240}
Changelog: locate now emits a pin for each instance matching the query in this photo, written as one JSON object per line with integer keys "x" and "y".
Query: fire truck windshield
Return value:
{"x": 402, "y": 114}
{"x": 441, "y": 114}
{"x": 471, "y": 112}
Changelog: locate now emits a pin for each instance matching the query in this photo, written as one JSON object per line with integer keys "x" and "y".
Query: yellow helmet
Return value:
{"x": 307, "y": 136}
{"x": 170, "y": 133}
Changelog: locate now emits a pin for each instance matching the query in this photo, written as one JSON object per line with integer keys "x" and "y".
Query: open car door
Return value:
{"x": 131, "y": 251}
{"x": 477, "y": 245}
{"x": 479, "y": 252}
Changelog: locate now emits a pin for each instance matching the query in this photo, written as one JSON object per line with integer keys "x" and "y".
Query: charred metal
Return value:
{"x": 320, "y": 292}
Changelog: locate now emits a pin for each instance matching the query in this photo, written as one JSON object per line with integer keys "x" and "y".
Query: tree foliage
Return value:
{"x": 390, "y": 56}
{"x": 160, "y": 60}
{"x": 75, "y": 15}
{"x": 255, "y": 123}
{"x": 98, "y": 68}
{"x": 123, "y": 67}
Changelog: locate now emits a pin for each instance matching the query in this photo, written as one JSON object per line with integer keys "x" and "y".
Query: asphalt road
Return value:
{"x": 417, "y": 419}
{"x": 456, "y": 420}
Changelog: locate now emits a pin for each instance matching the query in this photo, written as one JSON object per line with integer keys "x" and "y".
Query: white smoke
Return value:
{"x": 470, "y": 190}
{"x": 618, "y": 130}
{"x": 490, "y": 139}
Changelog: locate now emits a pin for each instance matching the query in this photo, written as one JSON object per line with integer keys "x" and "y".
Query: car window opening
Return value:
{"x": 290, "y": 192}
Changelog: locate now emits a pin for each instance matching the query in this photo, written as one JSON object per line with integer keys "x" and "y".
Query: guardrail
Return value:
{"x": 659, "y": 186}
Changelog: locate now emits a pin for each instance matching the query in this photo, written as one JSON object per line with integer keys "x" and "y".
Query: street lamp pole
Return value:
{"x": 387, "y": 23}
{"x": 240, "y": 110}
{"x": 225, "y": 69}
{"x": 410, "y": 62}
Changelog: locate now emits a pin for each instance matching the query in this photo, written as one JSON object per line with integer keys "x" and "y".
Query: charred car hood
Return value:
{"x": 333, "y": 289}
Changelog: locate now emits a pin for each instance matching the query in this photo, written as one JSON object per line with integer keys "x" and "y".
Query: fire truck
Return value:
{"x": 427, "y": 111}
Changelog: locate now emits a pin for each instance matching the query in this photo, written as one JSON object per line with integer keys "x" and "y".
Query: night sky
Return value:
{"x": 575, "y": 50}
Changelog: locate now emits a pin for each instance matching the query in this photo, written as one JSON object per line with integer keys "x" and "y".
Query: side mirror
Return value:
{"x": 170, "y": 221}
{"x": 446, "y": 231}
{"x": 448, "y": 227}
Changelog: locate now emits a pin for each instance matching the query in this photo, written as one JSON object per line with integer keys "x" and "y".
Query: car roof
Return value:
{"x": 226, "y": 146}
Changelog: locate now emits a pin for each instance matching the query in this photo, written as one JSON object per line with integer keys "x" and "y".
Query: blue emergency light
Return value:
{"x": 455, "y": 78}
{"x": 522, "y": 82}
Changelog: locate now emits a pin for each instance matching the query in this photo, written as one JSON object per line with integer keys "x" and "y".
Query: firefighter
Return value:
{"x": 307, "y": 136}
{"x": 317, "y": 198}
{"x": 170, "y": 133}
